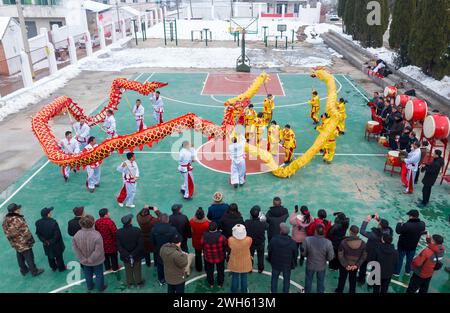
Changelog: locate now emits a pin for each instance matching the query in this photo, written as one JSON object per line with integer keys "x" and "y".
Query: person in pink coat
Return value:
{"x": 300, "y": 222}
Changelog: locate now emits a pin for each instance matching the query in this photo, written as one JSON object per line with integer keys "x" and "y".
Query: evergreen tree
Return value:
{"x": 443, "y": 66}
{"x": 429, "y": 36}
{"x": 348, "y": 17}
{"x": 370, "y": 35}
{"x": 341, "y": 8}
{"x": 402, "y": 19}
{"x": 360, "y": 21}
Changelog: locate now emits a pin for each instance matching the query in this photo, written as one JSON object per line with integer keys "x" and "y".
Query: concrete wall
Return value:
{"x": 310, "y": 15}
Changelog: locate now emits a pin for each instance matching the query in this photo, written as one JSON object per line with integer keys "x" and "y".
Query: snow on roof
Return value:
{"x": 95, "y": 6}
{"x": 4, "y": 22}
{"x": 130, "y": 10}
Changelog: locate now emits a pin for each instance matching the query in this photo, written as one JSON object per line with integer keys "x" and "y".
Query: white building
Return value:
{"x": 10, "y": 46}
{"x": 38, "y": 13}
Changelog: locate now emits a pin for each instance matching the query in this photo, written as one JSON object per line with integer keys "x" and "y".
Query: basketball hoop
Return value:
{"x": 239, "y": 24}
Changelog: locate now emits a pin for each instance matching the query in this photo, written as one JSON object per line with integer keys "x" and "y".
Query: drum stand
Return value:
{"x": 392, "y": 169}
{"x": 446, "y": 176}
{"x": 435, "y": 144}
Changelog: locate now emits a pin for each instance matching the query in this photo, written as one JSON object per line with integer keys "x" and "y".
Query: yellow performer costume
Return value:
{"x": 273, "y": 138}
{"x": 268, "y": 107}
{"x": 330, "y": 147}
{"x": 250, "y": 116}
{"x": 259, "y": 124}
{"x": 315, "y": 107}
{"x": 289, "y": 143}
{"x": 341, "y": 109}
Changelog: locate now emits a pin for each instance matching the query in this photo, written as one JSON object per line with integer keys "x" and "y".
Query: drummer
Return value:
{"x": 394, "y": 132}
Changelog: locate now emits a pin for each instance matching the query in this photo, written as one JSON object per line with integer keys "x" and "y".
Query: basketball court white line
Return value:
{"x": 221, "y": 107}
{"x": 149, "y": 77}
{"x": 237, "y": 81}
{"x": 24, "y": 183}
{"x": 137, "y": 78}
{"x": 192, "y": 280}
{"x": 281, "y": 85}
{"x": 359, "y": 91}
{"x": 204, "y": 84}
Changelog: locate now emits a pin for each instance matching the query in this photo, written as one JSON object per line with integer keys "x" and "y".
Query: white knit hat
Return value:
{"x": 239, "y": 232}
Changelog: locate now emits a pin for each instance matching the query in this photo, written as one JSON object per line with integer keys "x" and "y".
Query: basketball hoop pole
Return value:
{"x": 243, "y": 62}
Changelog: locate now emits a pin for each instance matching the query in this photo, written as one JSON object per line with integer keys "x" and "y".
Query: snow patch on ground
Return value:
{"x": 335, "y": 53}
{"x": 165, "y": 57}
{"x": 319, "y": 29}
{"x": 43, "y": 88}
{"x": 441, "y": 87}
{"x": 383, "y": 53}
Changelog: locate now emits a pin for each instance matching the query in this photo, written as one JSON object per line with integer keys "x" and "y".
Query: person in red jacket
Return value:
{"x": 424, "y": 265}
{"x": 322, "y": 220}
{"x": 107, "y": 228}
{"x": 199, "y": 224}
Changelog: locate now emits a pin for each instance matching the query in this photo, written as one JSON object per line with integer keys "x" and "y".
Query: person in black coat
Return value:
{"x": 276, "y": 215}
{"x": 73, "y": 226}
{"x": 256, "y": 229}
{"x": 336, "y": 234}
{"x": 431, "y": 175}
{"x": 181, "y": 223}
{"x": 161, "y": 234}
{"x": 410, "y": 233}
{"x": 130, "y": 244}
{"x": 282, "y": 255}
{"x": 231, "y": 218}
{"x": 373, "y": 240}
{"x": 47, "y": 230}
{"x": 387, "y": 257}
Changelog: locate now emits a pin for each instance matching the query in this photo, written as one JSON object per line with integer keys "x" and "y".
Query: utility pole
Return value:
{"x": 118, "y": 16}
{"x": 190, "y": 4}
{"x": 178, "y": 9}
{"x": 23, "y": 30}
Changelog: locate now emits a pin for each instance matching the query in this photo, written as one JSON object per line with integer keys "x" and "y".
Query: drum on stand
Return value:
{"x": 436, "y": 126}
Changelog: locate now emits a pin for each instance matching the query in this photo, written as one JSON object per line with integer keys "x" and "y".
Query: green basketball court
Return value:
{"x": 354, "y": 183}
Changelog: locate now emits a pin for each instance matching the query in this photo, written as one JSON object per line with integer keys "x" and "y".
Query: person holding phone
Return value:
{"x": 410, "y": 233}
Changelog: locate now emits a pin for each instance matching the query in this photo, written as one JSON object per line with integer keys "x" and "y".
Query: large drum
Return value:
{"x": 390, "y": 91}
{"x": 401, "y": 100}
{"x": 393, "y": 159}
{"x": 436, "y": 126}
{"x": 373, "y": 127}
{"x": 416, "y": 110}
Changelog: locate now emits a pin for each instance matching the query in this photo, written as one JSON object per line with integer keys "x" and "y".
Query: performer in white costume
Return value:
{"x": 82, "y": 131}
{"x": 130, "y": 176}
{"x": 92, "y": 171}
{"x": 109, "y": 125}
{"x": 412, "y": 165}
{"x": 187, "y": 156}
{"x": 158, "y": 108}
{"x": 139, "y": 111}
{"x": 69, "y": 146}
{"x": 237, "y": 151}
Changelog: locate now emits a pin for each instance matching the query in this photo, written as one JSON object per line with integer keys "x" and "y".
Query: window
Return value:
{"x": 14, "y": 1}
{"x": 31, "y": 29}
{"x": 296, "y": 7}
